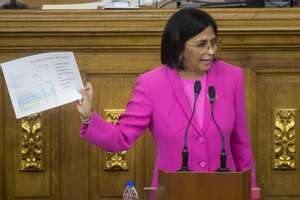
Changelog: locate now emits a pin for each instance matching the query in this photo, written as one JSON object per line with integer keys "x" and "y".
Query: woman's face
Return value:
{"x": 199, "y": 51}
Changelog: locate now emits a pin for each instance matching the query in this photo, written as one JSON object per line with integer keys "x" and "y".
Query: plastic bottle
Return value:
{"x": 130, "y": 192}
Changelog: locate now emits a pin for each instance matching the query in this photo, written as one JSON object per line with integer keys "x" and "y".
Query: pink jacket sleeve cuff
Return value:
{"x": 84, "y": 127}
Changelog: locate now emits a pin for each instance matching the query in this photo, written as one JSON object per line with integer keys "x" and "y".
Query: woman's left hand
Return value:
{"x": 85, "y": 105}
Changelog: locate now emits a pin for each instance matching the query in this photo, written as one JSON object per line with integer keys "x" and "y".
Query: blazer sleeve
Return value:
{"x": 240, "y": 141}
{"x": 131, "y": 124}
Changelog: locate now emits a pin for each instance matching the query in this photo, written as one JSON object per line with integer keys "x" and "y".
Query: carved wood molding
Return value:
{"x": 243, "y": 19}
{"x": 142, "y": 29}
{"x": 115, "y": 161}
{"x": 284, "y": 139}
{"x": 32, "y": 154}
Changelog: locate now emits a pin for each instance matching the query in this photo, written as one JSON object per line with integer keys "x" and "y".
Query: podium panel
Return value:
{"x": 204, "y": 186}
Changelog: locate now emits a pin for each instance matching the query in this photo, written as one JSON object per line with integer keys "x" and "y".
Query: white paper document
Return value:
{"x": 43, "y": 81}
{"x": 90, "y": 5}
{"x": 104, "y": 4}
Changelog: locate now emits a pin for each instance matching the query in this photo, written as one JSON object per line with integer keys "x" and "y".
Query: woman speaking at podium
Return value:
{"x": 191, "y": 100}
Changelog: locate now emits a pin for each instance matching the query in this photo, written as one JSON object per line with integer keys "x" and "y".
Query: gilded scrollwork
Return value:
{"x": 31, "y": 144}
{"x": 284, "y": 139}
{"x": 115, "y": 161}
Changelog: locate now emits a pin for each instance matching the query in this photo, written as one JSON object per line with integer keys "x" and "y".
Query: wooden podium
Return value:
{"x": 204, "y": 186}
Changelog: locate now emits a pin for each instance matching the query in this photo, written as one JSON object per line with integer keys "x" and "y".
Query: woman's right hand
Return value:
{"x": 85, "y": 105}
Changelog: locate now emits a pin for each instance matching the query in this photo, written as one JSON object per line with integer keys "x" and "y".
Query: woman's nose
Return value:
{"x": 211, "y": 49}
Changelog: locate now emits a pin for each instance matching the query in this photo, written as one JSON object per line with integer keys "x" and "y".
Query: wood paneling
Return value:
{"x": 114, "y": 92}
{"x": 32, "y": 184}
{"x": 112, "y": 48}
{"x": 2, "y": 161}
{"x": 73, "y": 156}
{"x": 10, "y": 140}
{"x": 277, "y": 89}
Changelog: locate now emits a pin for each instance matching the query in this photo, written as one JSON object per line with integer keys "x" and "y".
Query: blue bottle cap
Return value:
{"x": 130, "y": 183}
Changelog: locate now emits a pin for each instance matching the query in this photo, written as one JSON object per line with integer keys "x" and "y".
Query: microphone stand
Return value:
{"x": 185, "y": 152}
{"x": 13, "y": 4}
{"x": 223, "y": 156}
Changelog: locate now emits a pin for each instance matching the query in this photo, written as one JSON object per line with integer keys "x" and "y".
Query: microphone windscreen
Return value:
{"x": 197, "y": 87}
{"x": 211, "y": 92}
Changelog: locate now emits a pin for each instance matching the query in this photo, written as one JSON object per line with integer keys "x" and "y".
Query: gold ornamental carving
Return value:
{"x": 284, "y": 139}
{"x": 115, "y": 161}
{"x": 32, "y": 155}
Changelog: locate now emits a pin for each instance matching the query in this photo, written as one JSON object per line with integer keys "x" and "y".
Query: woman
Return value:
{"x": 162, "y": 100}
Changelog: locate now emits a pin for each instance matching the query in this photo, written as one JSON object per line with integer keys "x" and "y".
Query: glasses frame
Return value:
{"x": 205, "y": 45}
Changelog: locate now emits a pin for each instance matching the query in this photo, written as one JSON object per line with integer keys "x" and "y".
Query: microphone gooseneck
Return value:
{"x": 185, "y": 152}
{"x": 223, "y": 156}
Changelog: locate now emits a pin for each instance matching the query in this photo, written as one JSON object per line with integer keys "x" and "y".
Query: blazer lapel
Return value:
{"x": 181, "y": 96}
{"x": 211, "y": 81}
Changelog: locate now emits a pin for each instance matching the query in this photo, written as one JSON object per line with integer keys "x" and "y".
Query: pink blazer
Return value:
{"x": 159, "y": 103}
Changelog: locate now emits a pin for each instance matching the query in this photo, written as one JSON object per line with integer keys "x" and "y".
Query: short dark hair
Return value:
{"x": 182, "y": 25}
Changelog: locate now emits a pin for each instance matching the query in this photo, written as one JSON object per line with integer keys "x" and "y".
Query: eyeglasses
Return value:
{"x": 205, "y": 44}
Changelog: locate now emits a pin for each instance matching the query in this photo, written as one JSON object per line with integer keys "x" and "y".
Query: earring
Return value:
{"x": 180, "y": 62}
{"x": 180, "y": 58}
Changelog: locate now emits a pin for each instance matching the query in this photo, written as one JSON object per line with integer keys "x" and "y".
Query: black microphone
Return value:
{"x": 185, "y": 152}
{"x": 223, "y": 156}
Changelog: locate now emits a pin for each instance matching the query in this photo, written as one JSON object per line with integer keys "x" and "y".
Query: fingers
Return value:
{"x": 87, "y": 90}
{"x": 87, "y": 95}
{"x": 88, "y": 86}
{"x": 82, "y": 100}
{"x": 84, "y": 105}
{"x": 79, "y": 103}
